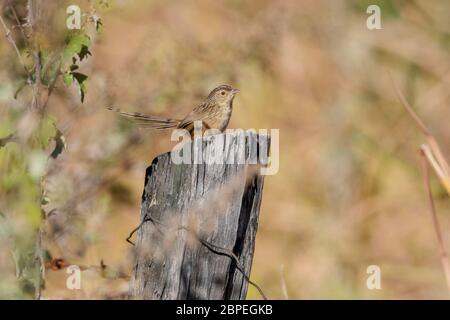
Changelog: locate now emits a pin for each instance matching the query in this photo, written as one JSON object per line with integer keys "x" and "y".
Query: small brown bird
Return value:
{"x": 214, "y": 112}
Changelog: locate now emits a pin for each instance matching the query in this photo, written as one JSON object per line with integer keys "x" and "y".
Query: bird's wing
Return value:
{"x": 147, "y": 121}
{"x": 200, "y": 113}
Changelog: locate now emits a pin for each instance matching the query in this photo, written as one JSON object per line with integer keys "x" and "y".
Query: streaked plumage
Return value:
{"x": 214, "y": 112}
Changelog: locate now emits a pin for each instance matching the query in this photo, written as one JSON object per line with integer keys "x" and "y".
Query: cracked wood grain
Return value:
{"x": 219, "y": 202}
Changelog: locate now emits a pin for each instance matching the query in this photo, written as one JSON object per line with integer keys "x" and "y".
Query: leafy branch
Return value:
{"x": 42, "y": 75}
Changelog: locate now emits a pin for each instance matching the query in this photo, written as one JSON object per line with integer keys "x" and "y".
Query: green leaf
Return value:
{"x": 98, "y": 25}
{"x": 82, "y": 91}
{"x": 60, "y": 141}
{"x": 81, "y": 79}
{"x": 46, "y": 131}
{"x": 84, "y": 52}
{"x": 77, "y": 45}
{"x": 67, "y": 78}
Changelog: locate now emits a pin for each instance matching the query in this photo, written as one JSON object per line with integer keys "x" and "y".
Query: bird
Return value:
{"x": 214, "y": 113}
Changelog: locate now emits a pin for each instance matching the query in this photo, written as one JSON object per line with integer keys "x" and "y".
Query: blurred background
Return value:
{"x": 349, "y": 192}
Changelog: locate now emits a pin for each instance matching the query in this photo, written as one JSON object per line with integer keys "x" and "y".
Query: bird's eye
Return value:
{"x": 222, "y": 93}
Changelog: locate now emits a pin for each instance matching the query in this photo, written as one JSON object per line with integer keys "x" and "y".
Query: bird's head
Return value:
{"x": 222, "y": 94}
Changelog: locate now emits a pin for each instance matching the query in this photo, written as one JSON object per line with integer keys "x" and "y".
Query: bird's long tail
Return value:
{"x": 147, "y": 121}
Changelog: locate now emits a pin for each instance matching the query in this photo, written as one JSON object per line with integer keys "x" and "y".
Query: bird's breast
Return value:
{"x": 220, "y": 118}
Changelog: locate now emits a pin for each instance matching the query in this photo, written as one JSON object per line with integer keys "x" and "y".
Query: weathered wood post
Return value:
{"x": 199, "y": 221}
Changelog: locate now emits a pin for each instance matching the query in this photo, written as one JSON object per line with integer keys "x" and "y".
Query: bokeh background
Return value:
{"x": 349, "y": 192}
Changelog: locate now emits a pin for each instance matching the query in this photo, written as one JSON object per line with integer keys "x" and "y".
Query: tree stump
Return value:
{"x": 199, "y": 221}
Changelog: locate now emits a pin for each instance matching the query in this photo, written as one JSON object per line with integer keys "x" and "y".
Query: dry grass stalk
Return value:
{"x": 283, "y": 283}
{"x": 432, "y": 153}
{"x": 431, "y": 150}
{"x": 443, "y": 252}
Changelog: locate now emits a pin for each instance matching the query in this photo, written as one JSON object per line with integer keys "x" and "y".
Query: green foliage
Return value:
{"x": 24, "y": 159}
{"x": 81, "y": 80}
{"x": 98, "y": 25}
{"x": 60, "y": 144}
{"x": 77, "y": 44}
{"x": 67, "y": 78}
{"x": 46, "y": 131}
{"x": 76, "y": 50}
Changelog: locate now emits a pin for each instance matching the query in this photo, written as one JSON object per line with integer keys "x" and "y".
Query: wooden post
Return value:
{"x": 197, "y": 237}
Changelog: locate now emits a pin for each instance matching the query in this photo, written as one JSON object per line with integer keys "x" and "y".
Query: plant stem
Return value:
{"x": 437, "y": 229}
{"x": 36, "y": 106}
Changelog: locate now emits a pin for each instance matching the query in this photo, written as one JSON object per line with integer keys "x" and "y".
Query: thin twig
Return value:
{"x": 283, "y": 283}
{"x": 11, "y": 40}
{"x": 437, "y": 229}
{"x": 408, "y": 108}
{"x": 19, "y": 23}
{"x": 40, "y": 268}
{"x": 434, "y": 153}
{"x": 52, "y": 85}
{"x": 135, "y": 230}
{"x": 433, "y": 162}
{"x": 105, "y": 271}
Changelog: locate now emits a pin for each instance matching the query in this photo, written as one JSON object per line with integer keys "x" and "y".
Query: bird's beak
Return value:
{"x": 236, "y": 91}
